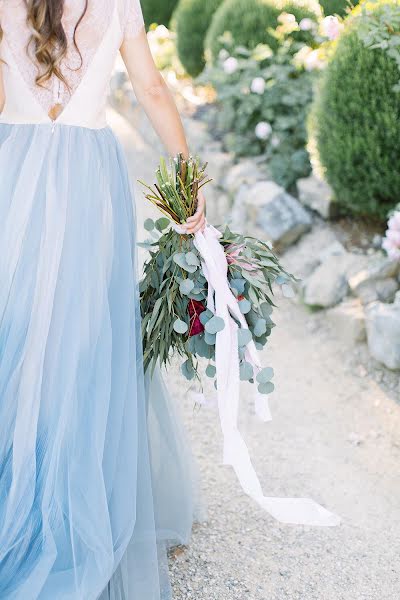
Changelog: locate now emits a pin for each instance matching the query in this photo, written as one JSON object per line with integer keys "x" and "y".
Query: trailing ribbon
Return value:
{"x": 222, "y": 303}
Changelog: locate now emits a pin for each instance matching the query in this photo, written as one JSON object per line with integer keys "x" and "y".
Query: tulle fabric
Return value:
{"x": 95, "y": 477}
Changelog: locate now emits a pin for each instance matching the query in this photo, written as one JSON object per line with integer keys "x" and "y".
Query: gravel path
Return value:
{"x": 335, "y": 437}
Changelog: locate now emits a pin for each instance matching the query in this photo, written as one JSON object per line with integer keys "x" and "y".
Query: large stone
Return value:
{"x": 377, "y": 281}
{"x": 383, "y": 332}
{"x": 317, "y": 195}
{"x": 197, "y": 134}
{"x": 328, "y": 284}
{"x": 218, "y": 164}
{"x": 348, "y": 321}
{"x": 245, "y": 172}
{"x": 275, "y": 213}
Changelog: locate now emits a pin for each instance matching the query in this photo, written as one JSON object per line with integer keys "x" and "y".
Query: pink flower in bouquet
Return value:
{"x": 233, "y": 252}
{"x": 391, "y": 243}
{"x": 195, "y": 308}
{"x": 331, "y": 27}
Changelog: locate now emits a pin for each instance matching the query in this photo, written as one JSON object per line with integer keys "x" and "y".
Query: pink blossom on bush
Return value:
{"x": 331, "y": 27}
{"x": 263, "y": 130}
{"x": 230, "y": 65}
{"x": 258, "y": 85}
{"x": 306, "y": 24}
{"x": 391, "y": 243}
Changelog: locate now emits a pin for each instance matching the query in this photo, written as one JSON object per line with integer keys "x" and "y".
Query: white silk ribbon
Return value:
{"x": 222, "y": 302}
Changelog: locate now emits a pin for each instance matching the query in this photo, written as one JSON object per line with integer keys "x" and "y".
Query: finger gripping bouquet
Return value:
{"x": 197, "y": 286}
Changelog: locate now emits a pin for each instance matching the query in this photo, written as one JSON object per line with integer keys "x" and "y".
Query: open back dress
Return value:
{"x": 94, "y": 477}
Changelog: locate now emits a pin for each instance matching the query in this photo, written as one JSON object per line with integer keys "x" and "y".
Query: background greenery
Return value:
{"x": 158, "y": 11}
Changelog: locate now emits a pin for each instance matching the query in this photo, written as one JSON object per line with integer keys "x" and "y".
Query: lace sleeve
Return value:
{"x": 133, "y": 22}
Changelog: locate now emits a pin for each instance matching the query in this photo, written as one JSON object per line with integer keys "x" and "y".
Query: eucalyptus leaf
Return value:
{"x": 246, "y": 371}
{"x": 192, "y": 259}
{"x": 186, "y": 286}
{"x": 187, "y": 370}
{"x": 205, "y": 316}
{"x": 260, "y": 327}
{"x": 162, "y": 223}
{"x": 149, "y": 224}
{"x": 210, "y": 338}
{"x": 266, "y": 388}
{"x": 265, "y": 375}
{"x": 180, "y": 326}
{"x": 214, "y": 325}
{"x": 244, "y": 336}
{"x": 238, "y": 284}
{"x": 211, "y": 371}
{"x": 245, "y": 306}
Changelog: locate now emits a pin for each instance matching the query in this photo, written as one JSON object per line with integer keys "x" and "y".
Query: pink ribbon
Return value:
{"x": 222, "y": 303}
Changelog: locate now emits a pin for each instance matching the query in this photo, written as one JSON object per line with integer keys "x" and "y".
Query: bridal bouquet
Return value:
{"x": 198, "y": 289}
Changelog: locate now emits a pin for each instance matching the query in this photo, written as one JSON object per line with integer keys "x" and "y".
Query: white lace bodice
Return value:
{"x": 104, "y": 26}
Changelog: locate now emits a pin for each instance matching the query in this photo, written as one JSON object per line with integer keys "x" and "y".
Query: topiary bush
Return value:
{"x": 356, "y": 123}
{"x": 158, "y": 11}
{"x": 248, "y": 22}
{"x": 337, "y": 7}
{"x": 191, "y": 21}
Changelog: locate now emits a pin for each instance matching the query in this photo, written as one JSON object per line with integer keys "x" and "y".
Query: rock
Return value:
{"x": 317, "y": 195}
{"x": 376, "y": 281}
{"x": 197, "y": 133}
{"x": 218, "y": 164}
{"x": 334, "y": 249}
{"x": 348, "y": 321}
{"x": 276, "y": 215}
{"x": 383, "y": 332}
{"x": 328, "y": 284}
{"x": 245, "y": 172}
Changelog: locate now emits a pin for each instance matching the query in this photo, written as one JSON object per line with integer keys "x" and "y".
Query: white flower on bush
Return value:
{"x": 391, "y": 243}
{"x": 258, "y": 85}
{"x": 263, "y": 130}
{"x": 287, "y": 18}
{"x": 306, "y": 24}
{"x": 275, "y": 141}
{"x": 331, "y": 27}
{"x": 312, "y": 61}
{"x": 231, "y": 65}
{"x": 223, "y": 54}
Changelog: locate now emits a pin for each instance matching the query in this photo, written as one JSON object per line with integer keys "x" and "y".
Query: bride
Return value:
{"x": 94, "y": 479}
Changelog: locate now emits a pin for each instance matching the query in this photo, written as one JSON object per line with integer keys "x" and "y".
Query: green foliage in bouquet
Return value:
{"x": 337, "y": 7}
{"x": 174, "y": 289}
{"x": 356, "y": 119}
{"x": 191, "y": 21}
{"x": 248, "y": 23}
{"x": 281, "y": 107}
{"x": 158, "y": 11}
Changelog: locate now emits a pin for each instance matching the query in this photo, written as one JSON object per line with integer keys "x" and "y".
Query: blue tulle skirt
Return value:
{"x": 95, "y": 478}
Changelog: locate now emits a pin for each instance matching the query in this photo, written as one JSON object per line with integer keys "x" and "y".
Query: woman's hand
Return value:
{"x": 198, "y": 221}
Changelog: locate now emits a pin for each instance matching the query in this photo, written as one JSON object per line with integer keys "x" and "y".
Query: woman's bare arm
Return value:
{"x": 2, "y": 94}
{"x": 156, "y": 99}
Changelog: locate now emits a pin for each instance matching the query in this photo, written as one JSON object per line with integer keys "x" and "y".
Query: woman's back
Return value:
{"x": 93, "y": 35}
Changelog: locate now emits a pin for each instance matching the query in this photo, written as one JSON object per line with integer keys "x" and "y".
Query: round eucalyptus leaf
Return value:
{"x": 287, "y": 290}
{"x": 266, "y": 388}
{"x": 260, "y": 327}
{"x": 192, "y": 259}
{"x": 246, "y": 371}
{"x": 162, "y": 223}
{"x": 211, "y": 371}
{"x": 259, "y": 346}
{"x": 244, "y": 336}
{"x": 180, "y": 326}
{"x": 210, "y": 338}
{"x": 205, "y": 316}
{"x": 238, "y": 285}
{"x": 265, "y": 375}
{"x": 149, "y": 225}
{"x": 242, "y": 352}
{"x": 202, "y": 348}
{"x": 187, "y": 370}
{"x": 186, "y": 287}
{"x": 266, "y": 309}
{"x": 245, "y": 306}
{"x": 214, "y": 325}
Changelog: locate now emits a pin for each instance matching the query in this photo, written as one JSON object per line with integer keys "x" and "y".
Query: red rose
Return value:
{"x": 195, "y": 308}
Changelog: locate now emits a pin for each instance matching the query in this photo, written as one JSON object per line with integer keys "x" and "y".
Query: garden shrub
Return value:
{"x": 357, "y": 121}
{"x": 337, "y": 7}
{"x": 248, "y": 22}
{"x": 191, "y": 21}
{"x": 158, "y": 11}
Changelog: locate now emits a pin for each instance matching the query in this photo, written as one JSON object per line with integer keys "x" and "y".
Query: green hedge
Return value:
{"x": 249, "y": 20}
{"x": 191, "y": 22}
{"x": 158, "y": 11}
{"x": 357, "y": 126}
{"x": 337, "y": 7}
